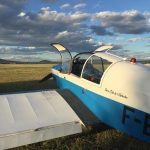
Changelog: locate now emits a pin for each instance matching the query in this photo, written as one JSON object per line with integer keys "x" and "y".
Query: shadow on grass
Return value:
{"x": 25, "y": 86}
{"x": 104, "y": 140}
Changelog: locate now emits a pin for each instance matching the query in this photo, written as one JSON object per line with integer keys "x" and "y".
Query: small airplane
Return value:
{"x": 93, "y": 87}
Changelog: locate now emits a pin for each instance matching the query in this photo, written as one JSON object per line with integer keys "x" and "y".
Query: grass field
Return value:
{"x": 24, "y": 77}
{"x": 15, "y": 78}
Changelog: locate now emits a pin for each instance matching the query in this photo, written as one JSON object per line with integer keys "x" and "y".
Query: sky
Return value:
{"x": 27, "y": 27}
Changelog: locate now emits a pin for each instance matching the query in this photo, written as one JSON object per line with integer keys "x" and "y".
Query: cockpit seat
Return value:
{"x": 77, "y": 67}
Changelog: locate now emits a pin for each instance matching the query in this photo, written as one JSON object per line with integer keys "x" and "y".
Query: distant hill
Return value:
{"x": 47, "y": 62}
{"x": 3, "y": 61}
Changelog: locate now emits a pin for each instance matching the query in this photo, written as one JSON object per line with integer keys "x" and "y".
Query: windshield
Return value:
{"x": 94, "y": 69}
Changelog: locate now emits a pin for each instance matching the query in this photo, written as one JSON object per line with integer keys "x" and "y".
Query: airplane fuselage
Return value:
{"x": 115, "y": 89}
{"x": 113, "y": 113}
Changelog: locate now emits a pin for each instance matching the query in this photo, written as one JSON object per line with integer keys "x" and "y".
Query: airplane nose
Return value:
{"x": 142, "y": 90}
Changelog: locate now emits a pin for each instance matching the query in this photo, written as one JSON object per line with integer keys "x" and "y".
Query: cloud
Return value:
{"x": 65, "y": 6}
{"x": 117, "y": 49}
{"x": 136, "y": 39}
{"x": 13, "y": 3}
{"x": 77, "y": 41}
{"x": 79, "y": 16}
{"x": 117, "y": 46}
{"x": 99, "y": 30}
{"x": 40, "y": 29}
{"x": 127, "y": 22}
{"x": 22, "y": 14}
{"x": 27, "y": 53}
{"x": 81, "y": 5}
{"x": 141, "y": 55}
{"x": 33, "y": 31}
{"x": 63, "y": 34}
{"x": 10, "y": 8}
{"x": 48, "y": 15}
{"x": 114, "y": 46}
{"x": 77, "y": 6}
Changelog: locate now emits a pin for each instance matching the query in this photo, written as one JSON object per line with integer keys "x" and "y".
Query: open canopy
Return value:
{"x": 104, "y": 48}
{"x": 66, "y": 57}
{"x": 59, "y": 47}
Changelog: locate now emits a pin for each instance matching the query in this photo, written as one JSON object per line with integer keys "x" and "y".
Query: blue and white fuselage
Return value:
{"x": 119, "y": 95}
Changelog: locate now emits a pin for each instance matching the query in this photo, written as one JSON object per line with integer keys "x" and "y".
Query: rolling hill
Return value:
{"x": 3, "y": 61}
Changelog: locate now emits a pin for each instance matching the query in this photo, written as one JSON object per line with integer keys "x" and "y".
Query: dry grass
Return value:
{"x": 15, "y": 78}
{"x": 18, "y": 77}
{"x": 22, "y": 72}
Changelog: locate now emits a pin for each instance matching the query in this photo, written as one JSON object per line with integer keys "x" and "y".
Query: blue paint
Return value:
{"x": 111, "y": 112}
{"x": 57, "y": 67}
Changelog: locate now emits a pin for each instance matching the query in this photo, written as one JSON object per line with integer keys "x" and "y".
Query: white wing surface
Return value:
{"x": 33, "y": 117}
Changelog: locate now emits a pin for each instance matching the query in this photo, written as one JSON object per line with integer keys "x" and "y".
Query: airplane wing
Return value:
{"x": 32, "y": 117}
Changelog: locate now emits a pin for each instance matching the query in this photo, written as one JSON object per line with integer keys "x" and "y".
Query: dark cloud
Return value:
{"x": 128, "y": 22}
{"x": 114, "y": 46}
{"x": 117, "y": 47}
{"x": 13, "y": 3}
{"x": 77, "y": 42}
{"x": 28, "y": 29}
{"x": 11, "y": 7}
{"x": 99, "y": 30}
{"x": 28, "y": 53}
{"x": 8, "y": 14}
{"x": 46, "y": 26}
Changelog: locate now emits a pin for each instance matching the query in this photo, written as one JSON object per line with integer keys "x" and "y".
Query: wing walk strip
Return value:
{"x": 27, "y": 118}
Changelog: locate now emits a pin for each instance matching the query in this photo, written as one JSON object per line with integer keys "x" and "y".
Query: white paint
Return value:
{"x": 104, "y": 48}
{"x": 33, "y": 117}
{"x": 109, "y": 57}
{"x": 59, "y": 47}
{"x": 131, "y": 80}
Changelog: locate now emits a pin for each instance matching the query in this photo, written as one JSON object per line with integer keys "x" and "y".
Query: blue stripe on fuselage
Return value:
{"x": 114, "y": 114}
